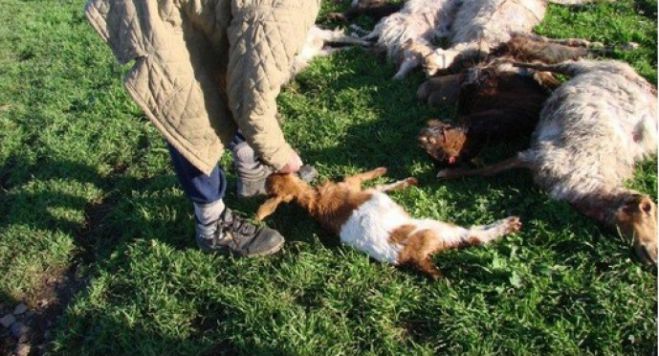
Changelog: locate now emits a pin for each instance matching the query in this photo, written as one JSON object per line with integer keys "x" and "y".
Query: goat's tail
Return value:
{"x": 510, "y": 163}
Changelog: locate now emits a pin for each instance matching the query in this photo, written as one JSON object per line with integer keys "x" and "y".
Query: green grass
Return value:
{"x": 86, "y": 190}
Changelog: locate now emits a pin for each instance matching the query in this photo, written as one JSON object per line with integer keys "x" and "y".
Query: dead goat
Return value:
{"x": 407, "y": 35}
{"x": 482, "y": 25}
{"x": 494, "y": 106}
{"x": 496, "y": 101}
{"x": 370, "y": 221}
{"x": 592, "y": 131}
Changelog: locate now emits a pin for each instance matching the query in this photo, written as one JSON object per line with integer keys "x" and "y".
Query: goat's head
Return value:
{"x": 637, "y": 218}
{"x": 443, "y": 142}
{"x": 281, "y": 188}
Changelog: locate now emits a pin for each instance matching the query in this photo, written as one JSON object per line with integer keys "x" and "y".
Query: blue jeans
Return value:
{"x": 201, "y": 188}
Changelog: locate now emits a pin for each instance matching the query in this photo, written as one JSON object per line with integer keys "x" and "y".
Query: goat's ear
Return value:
{"x": 268, "y": 207}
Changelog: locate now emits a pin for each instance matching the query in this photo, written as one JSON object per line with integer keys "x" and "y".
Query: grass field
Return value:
{"x": 97, "y": 237}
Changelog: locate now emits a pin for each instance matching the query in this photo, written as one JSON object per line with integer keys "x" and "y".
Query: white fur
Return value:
{"x": 419, "y": 21}
{"x": 593, "y": 129}
{"x": 369, "y": 227}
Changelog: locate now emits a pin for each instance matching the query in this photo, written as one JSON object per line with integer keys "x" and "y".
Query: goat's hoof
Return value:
{"x": 380, "y": 171}
{"x": 513, "y": 224}
{"x": 444, "y": 173}
{"x": 336, "y": 16}
{"x": 412, "y": 181}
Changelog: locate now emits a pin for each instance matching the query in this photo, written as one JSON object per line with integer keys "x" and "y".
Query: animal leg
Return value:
{"x": 417, "y": 249}
{"x": 575, "y": 42}
{"x": 409, "y": 63}
{"x": 401, "y": 184}
{"x": 443, "y": 58}
{"x": 427, "y": 267}
{"x": 496, "y": 168}
{"x": 365, "y": 34}
{"x": 358, "y": 179}
{"x": 340, "y": 37}
{"x": 480, "y": 235}
{"x": 567, "y": 68}
{"x": 570, "y": 42}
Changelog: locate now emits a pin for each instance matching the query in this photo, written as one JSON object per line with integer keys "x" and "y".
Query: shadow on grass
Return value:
{"x": 101, "y": 337}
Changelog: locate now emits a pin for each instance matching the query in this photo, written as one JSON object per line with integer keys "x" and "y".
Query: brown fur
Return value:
{"x": 419, "y": 247}
{"x": 633, "y": 213}
{"x": 531, "y": 48}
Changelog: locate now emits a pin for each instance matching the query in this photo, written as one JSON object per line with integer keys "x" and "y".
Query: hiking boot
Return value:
{"x": 235, "y": 234}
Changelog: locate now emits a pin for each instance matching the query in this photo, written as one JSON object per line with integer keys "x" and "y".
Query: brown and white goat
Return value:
{"x": 370, "y": 221}
{"x": 592, "y": 131}
{"x": 496, "y": 101}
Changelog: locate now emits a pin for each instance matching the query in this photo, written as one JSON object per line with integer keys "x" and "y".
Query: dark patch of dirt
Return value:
{"x": 58, "y": 286}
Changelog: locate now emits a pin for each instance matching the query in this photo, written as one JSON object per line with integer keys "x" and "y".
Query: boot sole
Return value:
{"x": 228, "y": 251}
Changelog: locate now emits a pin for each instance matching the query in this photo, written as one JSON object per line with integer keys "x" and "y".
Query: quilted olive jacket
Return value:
{"x": 203, "y": 68}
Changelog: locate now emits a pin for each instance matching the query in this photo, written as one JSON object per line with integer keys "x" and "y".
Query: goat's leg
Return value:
{"x": 358, "y": 179}
{"x": 399, "y": 185}
{"x": 365, "y": 34}
{"x": 575, "y": 42}
{"x": 452, "y": 236}
{"x": 480, "y": 235}
{"x": 406, "y": 67}
{"x": 569, "y": 68}
{"x": 418, "y": 248}
{"x": 427, "y": 267}
{"x": 340, "y": 37}
{"x": 570, "y": 42}
{"x": 485, "y": 171}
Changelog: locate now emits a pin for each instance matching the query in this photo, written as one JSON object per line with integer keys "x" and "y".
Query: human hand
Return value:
{"x": 293, "y": 165}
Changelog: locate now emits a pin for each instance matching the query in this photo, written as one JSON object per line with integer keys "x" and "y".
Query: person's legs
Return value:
{"x": 250, "y": 170}
{"x": 217, "y": 228}
{"x": 252, "y": 173}
{"x": 205, "y": 191}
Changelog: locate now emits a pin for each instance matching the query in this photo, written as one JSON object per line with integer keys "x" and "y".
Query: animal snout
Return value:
{"x": 646, "y": 251}
{"x": 426, "y": 138}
